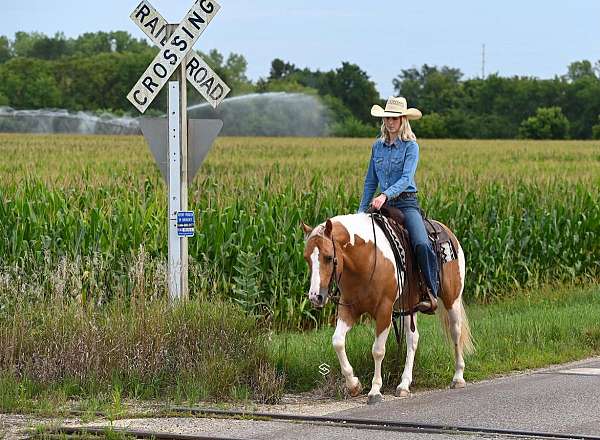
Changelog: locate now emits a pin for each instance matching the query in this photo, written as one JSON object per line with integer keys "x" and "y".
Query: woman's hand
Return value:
{"x": 378, "y": 201}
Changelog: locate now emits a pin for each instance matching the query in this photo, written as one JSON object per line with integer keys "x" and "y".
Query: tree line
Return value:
{"x": 95, "y": 71}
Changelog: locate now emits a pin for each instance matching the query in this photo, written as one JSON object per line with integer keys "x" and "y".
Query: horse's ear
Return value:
{"x": 328, "y": 228}
{"x": 307, "y": 229}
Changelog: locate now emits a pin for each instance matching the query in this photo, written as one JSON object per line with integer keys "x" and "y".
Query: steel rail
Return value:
{"x": 379, "y": 424}
{"x": 329, "y": 421}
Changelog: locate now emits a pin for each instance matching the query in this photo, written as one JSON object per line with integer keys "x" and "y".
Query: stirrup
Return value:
{"x": 428, "y": 306}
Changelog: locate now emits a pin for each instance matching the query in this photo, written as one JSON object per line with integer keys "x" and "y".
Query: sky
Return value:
{"x": 526, "y": 37}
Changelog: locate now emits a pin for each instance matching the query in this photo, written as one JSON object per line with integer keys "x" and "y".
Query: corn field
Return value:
{"x": 78, "y": 213}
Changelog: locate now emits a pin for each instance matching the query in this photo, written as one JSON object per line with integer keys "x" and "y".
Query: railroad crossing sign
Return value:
{"x": 168, "y": 137}
{"x": 199, "y": 74}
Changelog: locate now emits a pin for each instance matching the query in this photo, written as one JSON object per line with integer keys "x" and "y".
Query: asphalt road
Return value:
{"x": 562, "y": 399}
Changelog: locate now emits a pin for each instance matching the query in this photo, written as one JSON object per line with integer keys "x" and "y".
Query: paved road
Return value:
{"x": 563, "y": 399}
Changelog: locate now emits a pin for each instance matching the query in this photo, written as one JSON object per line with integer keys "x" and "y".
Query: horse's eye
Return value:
{"x": 328, "y": 259}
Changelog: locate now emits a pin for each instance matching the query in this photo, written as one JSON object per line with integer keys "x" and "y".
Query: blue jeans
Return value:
{"x": 426, "y": 258}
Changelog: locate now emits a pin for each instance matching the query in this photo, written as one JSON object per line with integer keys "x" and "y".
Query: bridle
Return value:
{"x": 333, "y": 289}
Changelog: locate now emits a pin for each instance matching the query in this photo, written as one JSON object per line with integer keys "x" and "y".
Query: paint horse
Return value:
{"x": 343, "y": 249}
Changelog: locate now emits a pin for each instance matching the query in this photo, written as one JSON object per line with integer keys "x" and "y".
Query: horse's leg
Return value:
{"x": 339, "y": 344}
{"x": 455, "y": 324}
{"x": 378, "y": 354}
{"x": 412, "y": 340}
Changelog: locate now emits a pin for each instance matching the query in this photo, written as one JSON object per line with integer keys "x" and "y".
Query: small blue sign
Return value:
{"x": 185, "y": 223}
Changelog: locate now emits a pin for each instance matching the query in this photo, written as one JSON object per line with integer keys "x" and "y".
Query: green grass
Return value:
{"x": 530, "y": 330}
{"x": 209, "y": 352}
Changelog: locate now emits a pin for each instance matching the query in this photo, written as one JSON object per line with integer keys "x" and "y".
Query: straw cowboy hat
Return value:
{"x": 395, "y": 106}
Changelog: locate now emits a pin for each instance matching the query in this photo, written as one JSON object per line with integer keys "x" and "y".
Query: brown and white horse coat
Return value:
{"x": 368, "y": 284}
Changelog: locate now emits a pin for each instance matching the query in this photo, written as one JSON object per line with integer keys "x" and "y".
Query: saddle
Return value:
{"x": 414, "y": 288}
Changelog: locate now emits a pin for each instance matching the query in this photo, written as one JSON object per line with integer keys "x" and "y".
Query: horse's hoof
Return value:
{"x": 457, "y": 384}
{"x": 374, "y": 399}
{"x": 356, "y": 390}
{"x": 400, "y": 392}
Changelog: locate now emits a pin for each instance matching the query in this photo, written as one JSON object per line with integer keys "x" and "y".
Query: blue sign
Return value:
{"x": 185, "y": 223}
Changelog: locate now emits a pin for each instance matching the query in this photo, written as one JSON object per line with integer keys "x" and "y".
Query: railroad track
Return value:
{"x": 328, "y": 421}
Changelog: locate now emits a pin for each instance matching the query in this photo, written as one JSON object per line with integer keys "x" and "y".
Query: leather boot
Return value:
{"x": 427, "y": 306}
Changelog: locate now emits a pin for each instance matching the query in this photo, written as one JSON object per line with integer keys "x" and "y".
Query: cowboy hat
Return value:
{"x": 395, "y": 106}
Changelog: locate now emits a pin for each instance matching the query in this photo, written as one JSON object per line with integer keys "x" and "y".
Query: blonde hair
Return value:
{"x": 405, "y": 133}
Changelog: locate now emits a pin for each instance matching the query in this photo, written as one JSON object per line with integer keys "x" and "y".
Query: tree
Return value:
{"x": 126, "y": 43}
{"x": 280, "y": 69}
{"x": 596, "y": 130}
{"x": 432, "y": 89}
{"x": 235, "y": 70}
{"x": 5, "y": 49}
{"x": 580, "y": 69}
{"x": 354, "y": 128}
{"x": 91, "y": 43}
{"x": 581, "y": 104}
{"x": 101, "y": 81}
{"x": 548, "y": 123}
{"x": 232, "y": 71}
{"x": 24, "y": 42}
{"x": 282, "y": 85}
{"x": 353, "y": 86}
{"x": 49, "y": 48}
{"x": 29, "y": 83}
{"x": 349, "y": 84}
{"x": 431, "y": 125}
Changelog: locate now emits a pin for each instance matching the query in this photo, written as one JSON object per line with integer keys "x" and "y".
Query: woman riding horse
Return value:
{"x": 352, "y": 253}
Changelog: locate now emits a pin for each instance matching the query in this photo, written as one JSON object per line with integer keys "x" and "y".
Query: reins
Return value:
{"x": 334, "y": 292}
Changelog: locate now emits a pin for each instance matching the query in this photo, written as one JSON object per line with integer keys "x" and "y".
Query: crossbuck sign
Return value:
{"x": 175, "y": 49}
{"x": 168, "y": 137}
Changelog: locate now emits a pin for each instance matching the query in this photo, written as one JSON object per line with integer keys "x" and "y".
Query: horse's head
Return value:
{"x": 323, "y": 259}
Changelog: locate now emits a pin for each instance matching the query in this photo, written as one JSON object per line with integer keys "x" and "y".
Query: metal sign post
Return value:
{"x": 175, "y": 260}
{"x": 168, "y": 138}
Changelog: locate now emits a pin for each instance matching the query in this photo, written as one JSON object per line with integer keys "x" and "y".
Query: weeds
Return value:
{"x": 138, "y": 349}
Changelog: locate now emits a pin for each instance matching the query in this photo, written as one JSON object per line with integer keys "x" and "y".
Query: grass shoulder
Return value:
{"x": 532, "y": 329}
{"x": 212, "y": 353}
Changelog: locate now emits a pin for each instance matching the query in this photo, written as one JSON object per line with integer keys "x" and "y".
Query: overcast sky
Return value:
{"x": 525, "y": 37}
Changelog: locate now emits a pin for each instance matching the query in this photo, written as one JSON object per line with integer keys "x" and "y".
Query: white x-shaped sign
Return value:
{"x": 174, "y": 50}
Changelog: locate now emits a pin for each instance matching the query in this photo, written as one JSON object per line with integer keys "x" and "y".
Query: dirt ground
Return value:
{"x": 150, "y": 416}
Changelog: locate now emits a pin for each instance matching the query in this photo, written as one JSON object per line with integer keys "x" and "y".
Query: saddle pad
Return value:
{"x": 390, "y": 232}
{"x": 440, "y": 239}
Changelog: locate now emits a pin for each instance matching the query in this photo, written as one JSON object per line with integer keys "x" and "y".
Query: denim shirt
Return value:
{"x": 392, "y": 168}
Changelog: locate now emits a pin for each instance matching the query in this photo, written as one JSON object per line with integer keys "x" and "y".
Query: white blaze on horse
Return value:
{"x": 344, "y": 249}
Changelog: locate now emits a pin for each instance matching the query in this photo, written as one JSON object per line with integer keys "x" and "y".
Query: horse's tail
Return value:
{"x": 465, "y": 341}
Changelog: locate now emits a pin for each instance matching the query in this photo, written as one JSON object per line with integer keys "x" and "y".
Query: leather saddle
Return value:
{"x": 414, "y": 287}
